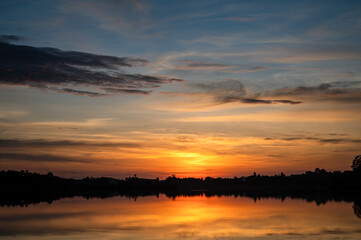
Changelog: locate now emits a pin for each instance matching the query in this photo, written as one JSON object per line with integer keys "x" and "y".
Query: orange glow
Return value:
{"x": 185, "y": 156}
{"x": 194, "y": 217}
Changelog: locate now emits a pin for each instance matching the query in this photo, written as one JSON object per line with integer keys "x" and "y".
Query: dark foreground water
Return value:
{"x": 196, "y": 217}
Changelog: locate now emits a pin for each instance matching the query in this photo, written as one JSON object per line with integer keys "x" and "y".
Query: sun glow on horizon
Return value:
{"x": 213, "y": 88}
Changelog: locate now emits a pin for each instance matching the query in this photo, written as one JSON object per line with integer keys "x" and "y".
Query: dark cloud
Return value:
{"x": 320, "y": 140}
{"x": 82, "y": 93}
{"x": 16, "y": 143}
{"x": 10, "y": 38}
{"x": 126, "y": 91}
{"x": 339, "y": 140}
{"x": 338, "y": 91}
{"x": 56, "y": 70}
{"x": 251, "y": 100}
{"x": 287, "y": 101}
{"x": 231, "y": 90}
{"x": 40, "y": 158}
{"x": 261, "y": 101}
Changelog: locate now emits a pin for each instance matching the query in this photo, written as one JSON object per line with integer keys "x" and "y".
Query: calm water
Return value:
{"x": 183, "y": 218}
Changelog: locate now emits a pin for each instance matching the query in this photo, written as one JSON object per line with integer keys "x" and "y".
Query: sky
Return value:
{"x": 190, "y": 88}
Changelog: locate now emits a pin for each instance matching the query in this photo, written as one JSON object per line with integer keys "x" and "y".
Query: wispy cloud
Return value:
{"x": 346, "y": 91}
{"x": 40, "y": 158}
{"x": 232, "y": 90}
{"x": 191, "y": 65}
{"x": 81, "y": 93}
{"x": 41, "y": 143}
{"x": 320, "y": 140}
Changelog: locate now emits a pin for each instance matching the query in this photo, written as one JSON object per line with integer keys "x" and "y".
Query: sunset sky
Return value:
{"x": 191, "y": 88}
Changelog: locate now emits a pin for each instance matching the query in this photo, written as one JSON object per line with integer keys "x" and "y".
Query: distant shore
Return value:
{"x": 23, "y": 187}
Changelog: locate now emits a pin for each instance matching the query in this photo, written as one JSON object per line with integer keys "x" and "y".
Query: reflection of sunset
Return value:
{"x": 194, "y": 217}
{"x": 142, "y": 97}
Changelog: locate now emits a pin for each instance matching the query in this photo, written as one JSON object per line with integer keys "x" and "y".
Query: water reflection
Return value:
{"x": 357, "y": 208}
{"x": 196, "y": 217}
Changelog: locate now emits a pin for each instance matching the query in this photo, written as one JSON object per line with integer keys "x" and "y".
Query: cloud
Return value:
{"x": 320, "y": 140}
{"x": 287, "y": 101}
{"x": 10, "y": 38}
{"x": 231, "y": 90}
{"x": 82, "y": 93}
{"x": 126, "y": 91}
{"x": 332, "y": 88}
{"x": 40, "y": 158}
{"x": 225, "y": 90}
{"x": 56, "y": 70}
{"x": 321, "y": 232}
{"x": 190, "y": 65}
{"x": 255, "y": 101}
{"x": 251, "y": 100}
{"x": 337, "y": 91}
{"x": 41, "y": 143}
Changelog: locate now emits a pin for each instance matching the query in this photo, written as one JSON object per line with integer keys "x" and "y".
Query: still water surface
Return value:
{"x": 181, "y": 218}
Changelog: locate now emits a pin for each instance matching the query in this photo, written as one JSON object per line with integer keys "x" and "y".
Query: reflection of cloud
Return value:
{"x": 56, "y": 70}
{"x": 187, "y": 217}
{"x": 43, "y": 216}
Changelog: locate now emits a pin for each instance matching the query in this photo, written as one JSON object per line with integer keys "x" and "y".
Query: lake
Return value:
{"x": 196, "y": 217}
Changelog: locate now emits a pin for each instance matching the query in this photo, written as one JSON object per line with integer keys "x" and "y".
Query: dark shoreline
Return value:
{"x": 21, "y": 188}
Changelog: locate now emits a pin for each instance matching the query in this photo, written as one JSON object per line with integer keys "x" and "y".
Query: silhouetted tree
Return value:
{"x": 357, "y": 208}
{"x": 356, "y": 164}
